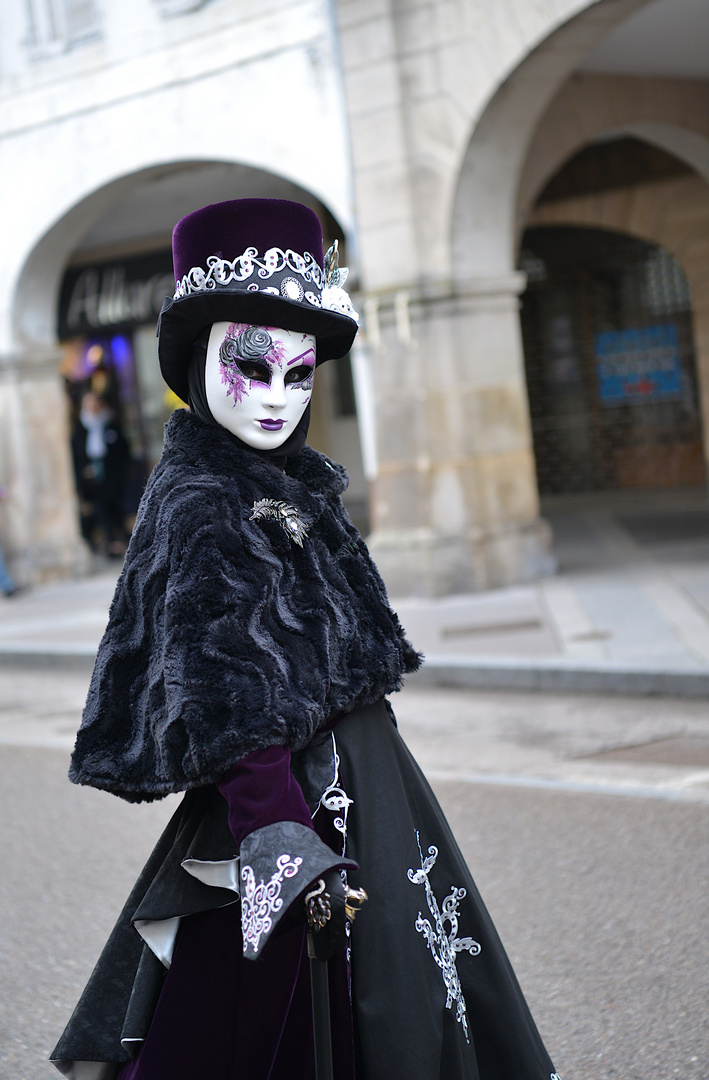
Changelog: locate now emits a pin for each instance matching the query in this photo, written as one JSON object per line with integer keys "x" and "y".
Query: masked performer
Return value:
{"x": 247, "y": 661}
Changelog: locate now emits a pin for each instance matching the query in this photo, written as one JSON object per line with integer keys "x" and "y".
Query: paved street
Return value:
{"x": 600, "y": 898}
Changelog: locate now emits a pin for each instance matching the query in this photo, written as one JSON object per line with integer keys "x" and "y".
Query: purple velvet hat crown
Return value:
{"x": 258, "y": 261}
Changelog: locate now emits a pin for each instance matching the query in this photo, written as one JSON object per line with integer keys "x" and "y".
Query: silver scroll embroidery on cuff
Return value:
{"x": 260, "y": 902}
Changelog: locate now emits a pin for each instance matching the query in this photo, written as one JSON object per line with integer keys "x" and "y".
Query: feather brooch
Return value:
{"x": 286, "y": 516}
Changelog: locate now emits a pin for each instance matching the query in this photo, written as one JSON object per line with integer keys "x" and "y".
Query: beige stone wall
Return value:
{"x": 454, "y": 506}
{"x": 420, "y": 77}
{"x": 443, "y": 96}
{"x": 672, "y": 213}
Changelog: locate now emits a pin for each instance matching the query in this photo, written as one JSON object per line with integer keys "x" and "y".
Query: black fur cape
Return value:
{"x": 224, "y": 635}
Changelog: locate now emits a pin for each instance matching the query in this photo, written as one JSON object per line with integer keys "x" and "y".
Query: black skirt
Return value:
{"x": 433, "y": 994}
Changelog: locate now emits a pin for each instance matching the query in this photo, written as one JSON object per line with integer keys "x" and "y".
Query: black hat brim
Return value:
{"x": 182, "y": 320}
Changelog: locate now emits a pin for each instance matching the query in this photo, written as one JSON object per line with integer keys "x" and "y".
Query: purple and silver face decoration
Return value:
{"x": 259, "y": 380}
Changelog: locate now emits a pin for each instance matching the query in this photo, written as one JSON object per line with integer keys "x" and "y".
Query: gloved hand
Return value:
{"x": 330, "y": 907}
{"x": 325, "y": 914}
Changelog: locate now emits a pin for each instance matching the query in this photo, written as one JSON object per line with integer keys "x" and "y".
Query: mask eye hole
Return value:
{"x": 299, "y": 374}
{"x": 254, "y": 372}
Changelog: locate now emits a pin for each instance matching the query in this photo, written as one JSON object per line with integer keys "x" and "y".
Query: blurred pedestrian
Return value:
{"x": 101, "y": 458}
{"x": 7, "y": 585}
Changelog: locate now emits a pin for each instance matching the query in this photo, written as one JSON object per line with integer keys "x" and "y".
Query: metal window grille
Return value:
{"x": 609, "y": 359}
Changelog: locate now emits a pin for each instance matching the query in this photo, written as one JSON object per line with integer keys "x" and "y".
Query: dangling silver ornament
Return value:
{"x": 334, "y": 297}
{"x": 335, "y": 275}
{"x": 286, "y": 516}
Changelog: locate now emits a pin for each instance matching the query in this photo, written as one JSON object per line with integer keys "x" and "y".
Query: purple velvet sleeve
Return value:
{"x": 261, "y": 790}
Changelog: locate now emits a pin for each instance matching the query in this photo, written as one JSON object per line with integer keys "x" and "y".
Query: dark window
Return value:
{"x": 609, "y": 358}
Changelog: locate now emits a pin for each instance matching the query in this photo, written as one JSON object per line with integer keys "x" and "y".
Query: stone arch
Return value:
{"x": 663, "y": 212}
{"x": 455, "y": 504}
{"x": 483, "y": 216}
{"x": 488, "y": 475}
{"x": 41, "y": 531}
{"x": 673, "y": 213}
{"x": 590, "y": 106}
{"x": 34, "y": 300}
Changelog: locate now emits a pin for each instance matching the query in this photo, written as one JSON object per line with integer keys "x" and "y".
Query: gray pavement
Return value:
{"x": 599, "y": 897}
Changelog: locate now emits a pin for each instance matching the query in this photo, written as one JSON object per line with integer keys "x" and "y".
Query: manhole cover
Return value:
{"x": 689, "y": 751}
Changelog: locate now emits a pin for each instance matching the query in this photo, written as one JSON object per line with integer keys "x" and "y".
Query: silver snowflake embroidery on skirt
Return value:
{"x": 260, "y": 902}
{"x": 286, "y": 515}
{"x": 444, "y": 946}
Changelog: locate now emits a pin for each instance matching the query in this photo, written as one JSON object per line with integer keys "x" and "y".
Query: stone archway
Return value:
{"x": 455, "y": 503}
{"x": 144, "y": 205}
{"x": 129, "y": 214}
{"x": 483, "y": 217}
{"x": 591, "y": 106}
{"x": 673, "y": 213}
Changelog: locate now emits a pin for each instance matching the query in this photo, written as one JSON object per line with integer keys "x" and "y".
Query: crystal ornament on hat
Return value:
{"x": 334, "y": 297}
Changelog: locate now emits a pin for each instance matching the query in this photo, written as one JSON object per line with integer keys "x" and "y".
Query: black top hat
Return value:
{"x": 252, "y": 260}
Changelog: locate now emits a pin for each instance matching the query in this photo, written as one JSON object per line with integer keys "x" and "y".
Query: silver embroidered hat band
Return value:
{"x": 286, "y": 274}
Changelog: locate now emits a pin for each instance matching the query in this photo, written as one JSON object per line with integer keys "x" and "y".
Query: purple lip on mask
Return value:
{"x": 272, "y": 425}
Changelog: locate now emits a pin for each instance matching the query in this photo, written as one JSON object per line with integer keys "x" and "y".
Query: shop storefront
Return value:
{"x": 107, "y": 319}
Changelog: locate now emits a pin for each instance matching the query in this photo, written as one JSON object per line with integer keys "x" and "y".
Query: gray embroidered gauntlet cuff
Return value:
{"x": 278, "y": 862}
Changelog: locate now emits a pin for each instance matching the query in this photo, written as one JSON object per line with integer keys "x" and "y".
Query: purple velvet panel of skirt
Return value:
{"x": 222, "y": 1017}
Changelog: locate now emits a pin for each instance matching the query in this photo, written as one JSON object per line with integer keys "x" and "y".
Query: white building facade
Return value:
{"x": 442, "y": 142}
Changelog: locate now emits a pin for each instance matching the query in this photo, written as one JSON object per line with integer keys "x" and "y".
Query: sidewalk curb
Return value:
{"x": 26, "y": 658}
{"x": 493, "y": 673}
{"x": 474, "y": 673}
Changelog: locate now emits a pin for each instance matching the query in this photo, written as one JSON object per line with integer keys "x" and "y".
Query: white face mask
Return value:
{"x": 258, "y": 380}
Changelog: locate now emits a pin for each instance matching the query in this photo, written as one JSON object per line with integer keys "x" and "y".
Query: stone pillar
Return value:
{"x": 39, "y": 527}
{"x": 454, "y": 505}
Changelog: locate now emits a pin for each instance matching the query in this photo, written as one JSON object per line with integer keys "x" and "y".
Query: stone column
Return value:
{"x": 454, "y": 504}
{"x": 699, "y": 284}
{"x": 39, "y": 527}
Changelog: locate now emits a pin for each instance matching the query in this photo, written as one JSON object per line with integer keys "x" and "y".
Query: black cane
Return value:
{"x": 318, "y": 907}
{"x": 322, "y": 1031}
